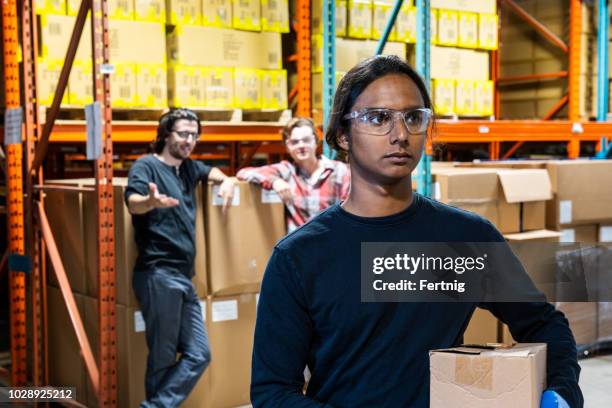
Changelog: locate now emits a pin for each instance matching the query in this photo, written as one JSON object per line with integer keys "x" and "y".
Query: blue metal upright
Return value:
{"x": 603, "y": 91}
{"x": 389, "y": 27}
{"x": 329, "y": 66}
{"x": 422, "y": 173}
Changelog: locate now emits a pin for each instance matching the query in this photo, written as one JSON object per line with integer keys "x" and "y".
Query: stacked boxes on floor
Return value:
{"x": 580, "y": 211}
{"x": 229, "y": 56}
{"x": 150, "y": 77}
{"x": 232, "y": 253}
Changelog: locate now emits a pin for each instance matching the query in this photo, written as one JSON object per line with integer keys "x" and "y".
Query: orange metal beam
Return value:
{"x": 573, "y": 147}
{"x": 64, "y": 285}
{"x": 14, "y": 199}
{"x": 532, "y": 77}
{"x": 539, "y": 27}
{"x": 304, "y": 59}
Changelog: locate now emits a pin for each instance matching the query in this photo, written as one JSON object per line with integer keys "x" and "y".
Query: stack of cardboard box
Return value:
{"x": 232, "y": 253}
{"x": 580, "y": 211}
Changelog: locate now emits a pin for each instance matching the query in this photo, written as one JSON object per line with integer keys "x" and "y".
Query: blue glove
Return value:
{"x": 550, "y": 399}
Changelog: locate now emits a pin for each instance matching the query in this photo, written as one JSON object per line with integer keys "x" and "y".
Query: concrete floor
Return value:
{"x": 596, "y": 381}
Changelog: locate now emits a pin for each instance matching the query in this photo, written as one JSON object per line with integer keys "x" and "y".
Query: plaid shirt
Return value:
{"x": 330, "y": 187}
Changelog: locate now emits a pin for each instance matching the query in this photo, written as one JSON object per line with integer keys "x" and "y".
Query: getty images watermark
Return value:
{"x": 484, "y": 272}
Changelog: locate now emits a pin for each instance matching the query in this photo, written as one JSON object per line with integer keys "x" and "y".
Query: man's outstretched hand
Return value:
{"x": 157, "y": 200}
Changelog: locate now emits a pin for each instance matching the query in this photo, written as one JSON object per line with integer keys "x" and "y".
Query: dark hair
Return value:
{"x": 357, "y": 80}
{"x": 298, "y": 122}
{"x": 166, "y": 126}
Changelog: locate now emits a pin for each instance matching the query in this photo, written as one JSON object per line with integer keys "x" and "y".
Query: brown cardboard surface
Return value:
{"x": 582, "y": 317}
{"x": 54, "y": 32}
{"x": 579, "y": 233}
{"x": 504, "y": 377}
{"x": 210, "y": 46}
{"x": 582, "y": 192}
{"x": 482, "y": 328}
{"x": 534, "y": 215}
{"x": 126, "y": 36}
{"x": 240, "y": 242}
{"x": 534, "y": 236}
{"x": 66, "y": 367}
{"x": 458, "y": 63}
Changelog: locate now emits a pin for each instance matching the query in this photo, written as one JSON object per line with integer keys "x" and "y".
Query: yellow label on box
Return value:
{"x": 183, "y": 11}
{"x": 246, "y": 14}
{"x": 444, "y": 96}
{"x": 275, "y": 16}
{"x": 468, "y": 30}
{"x": 121, "y": 9}
{"x": 48, "y": 77}
{"x": 273, "y": 89}
{"x": 185, "y": 86}
{"x": 487, "y": 31}
{"x": 150, "y": 10}
{"x": 218, "y": 87}
{"x": 405, "y": 24}
{"x": 80, "y": 84}
{"x": 448, "y": 27}
{"x": 247, "y": 88}
{"x": 151, "y": 86}
{"x": 316, "y": 54}
{"x": 433, "y": 26}
{"x": 316, "y": 25}
{"x": 359, "y": 18}
{"x": 123, "y": 86}
{"x": 217, "y": 13}
{"x": 464, "y": 98}
{"x": 51, "y": 7}
{"x": 484, "y": 98}
{"x": 380, "y": 16}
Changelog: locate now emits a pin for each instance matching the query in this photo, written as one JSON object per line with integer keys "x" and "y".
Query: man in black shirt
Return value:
{"x": 161, "y": 198}
{"x": 310, "y": 311}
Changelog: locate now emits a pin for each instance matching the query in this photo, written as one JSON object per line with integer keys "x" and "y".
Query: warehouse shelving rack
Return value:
{"x": 27, "y": 139}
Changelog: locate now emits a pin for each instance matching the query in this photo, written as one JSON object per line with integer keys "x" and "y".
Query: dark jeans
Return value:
{"x": 174, "y": 325}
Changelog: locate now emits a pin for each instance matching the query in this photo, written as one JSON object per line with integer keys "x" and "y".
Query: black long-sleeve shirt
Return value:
{"x": 376, "y": 354}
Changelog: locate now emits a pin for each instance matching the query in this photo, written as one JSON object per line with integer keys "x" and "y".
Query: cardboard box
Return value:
{"x": 183, "y": 11}
{"x": 246, "y": 15}
{"x": 448, "y": 27}
{"x": 577, "y": 199}
{"x": 350, "y": 52}
{"x": 316, "y": 22}
{"x": 579, "y": 233}
{"x": 465, "y": 93}
{"x": 605, "y": 233}
{"x": 484, "y": 98}
{"x": 503, "y": 377}
{"x": 381, "y": 12}
{"x": 209, "y": 46}
{"x": 186, "y": 86}
{"x": 123, "y": 86}
{"x": 604, "y": 321}
{"x": 444, "y": 96}
{"x": 539, "y": 261}
{"x": 468, "y": 30}
{"x": 151, "y": 85}
{"x": 475, "y": 191}
{"x": 66, "y": 366}
{"x": 582, "y": 317}
{"x": 316, "y": 88}
{"x": 247, "y": 88}
{"x": 522, "y": 199}
{"x": 359, "y": 18}
{"x": 487, "y": 31}
{"x": 48, "y": 78}
{"x": 218, "y": 87}
{"x": 474, "y": 6}
{"x": 126, "y": 42}
{"x": 217, "y": 13}
{"x": 150, "y": 10}
{"x": 231, "y": 326}
{"x": 482, "y": 329}
{"x": 275, "y": 16}
{"x": 241, "y": 242}
{"x": 54, "y": 33}
{"x": 458, "y": 63}
{"x": 51, "y": 7}
{"x": 80, "y": 83}
{"x": 433, "y": 27}
{"x": 273, "y": 89}
{"x": 405, "y": 24}
{"x": 121, "y": 9}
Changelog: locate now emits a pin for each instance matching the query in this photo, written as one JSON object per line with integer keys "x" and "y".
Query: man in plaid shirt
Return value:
{"x": 308, "y": 184}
